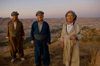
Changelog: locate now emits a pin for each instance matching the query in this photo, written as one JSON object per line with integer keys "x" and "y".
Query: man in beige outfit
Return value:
{"x": 70, "y": 36}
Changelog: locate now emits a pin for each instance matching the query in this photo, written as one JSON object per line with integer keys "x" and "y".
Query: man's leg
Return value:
{"x": 13, "y": 53}
{"x": 75, "y": 58}
{"x": 46, "y": 56}
{"x": 21, "y": 53}
{"x": 37, "y": 53}
{"x": 38, "y": 60}
{"x": 20, "y": 48}
{"x": 13, "y": 48}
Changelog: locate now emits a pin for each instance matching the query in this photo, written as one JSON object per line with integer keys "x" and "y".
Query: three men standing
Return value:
{"x": 15, "y": 35}
{"x": 40, "y": 37}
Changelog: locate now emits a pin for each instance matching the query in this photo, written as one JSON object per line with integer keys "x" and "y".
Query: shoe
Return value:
{"x": 46, "y": 65}
{"x": 22, "y": 59}
{"x": 12, "y": 60}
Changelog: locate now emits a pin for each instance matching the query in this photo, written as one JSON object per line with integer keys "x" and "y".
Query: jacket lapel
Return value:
{"x": 66, "y": 27}
{"x": 12, "y": 25}
{"x": 42, "y": 27}
{"x": 72, "y": 29}
{"x": 17, "y": 25}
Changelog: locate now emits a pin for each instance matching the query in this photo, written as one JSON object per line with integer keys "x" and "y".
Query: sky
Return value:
{"x": 51, "y": 8}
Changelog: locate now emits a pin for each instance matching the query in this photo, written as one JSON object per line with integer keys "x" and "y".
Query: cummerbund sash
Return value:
{"x": 40, "y": 37}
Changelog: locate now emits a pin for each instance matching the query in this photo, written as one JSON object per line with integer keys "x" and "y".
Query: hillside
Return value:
{"x": 89, "y": 44}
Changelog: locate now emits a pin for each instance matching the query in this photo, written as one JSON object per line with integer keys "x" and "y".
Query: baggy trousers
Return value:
{"x": 16, "y": 46}
{"x": 41, "y": 51}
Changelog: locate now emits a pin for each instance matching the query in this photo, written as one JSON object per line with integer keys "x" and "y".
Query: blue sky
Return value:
{"x": 52, "y": 8}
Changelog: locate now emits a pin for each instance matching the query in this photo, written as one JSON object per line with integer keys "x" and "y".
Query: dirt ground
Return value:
{"x": 56, "y": 55}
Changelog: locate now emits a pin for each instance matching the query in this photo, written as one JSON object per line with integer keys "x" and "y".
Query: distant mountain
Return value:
{"x": 4, "y": 18}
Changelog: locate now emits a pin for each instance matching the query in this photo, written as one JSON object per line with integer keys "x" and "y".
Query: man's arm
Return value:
{"x": 49, "y": 35}
{"x": 22, "y": 30}
{"x": 7, "y": 36}
{"x": 7, "y": 30}
{"x": 31, "y": 34}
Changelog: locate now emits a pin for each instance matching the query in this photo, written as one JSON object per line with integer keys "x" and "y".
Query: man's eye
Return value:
{"x": 68, "y": 16}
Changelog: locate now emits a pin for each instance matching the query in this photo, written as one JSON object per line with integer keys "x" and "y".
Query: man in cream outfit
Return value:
{"x": 70, "y": 36}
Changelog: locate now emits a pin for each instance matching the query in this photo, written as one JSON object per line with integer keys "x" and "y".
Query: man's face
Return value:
{"x": 70, "y": 17}
{"x": 14, "y": 17}
{"x": 40, "y": 17}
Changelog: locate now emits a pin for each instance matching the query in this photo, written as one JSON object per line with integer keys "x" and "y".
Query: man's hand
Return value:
{"x": 73, "y": 37}
{"x": 47, "y": 44}
{"x": 62, "y": 44}
{"x": 74, "y": 43}
{"x": 32, "y": 42}
{"x": 8, "y": 39}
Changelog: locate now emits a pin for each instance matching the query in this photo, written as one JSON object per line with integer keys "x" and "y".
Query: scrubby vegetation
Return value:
{"x": 91, "y": 37}
{"x": 89, "y": 46}
{"x": 90, "y": 34}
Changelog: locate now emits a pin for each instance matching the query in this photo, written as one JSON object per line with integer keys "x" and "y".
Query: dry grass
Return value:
{"x": 88, "y": 49}
{"x": 93, "y": 57}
